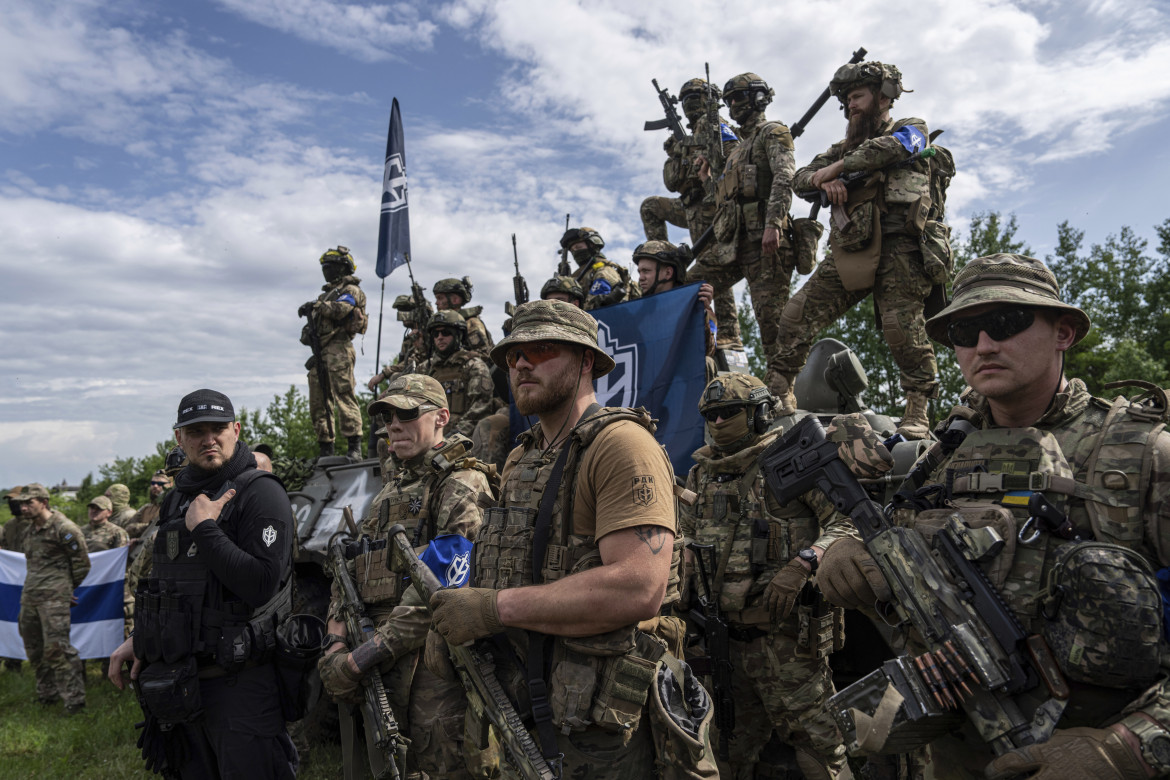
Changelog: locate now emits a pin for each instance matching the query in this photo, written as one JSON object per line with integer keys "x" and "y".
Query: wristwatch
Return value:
{"x": 809, "y": 556}
{"x": 331, "y": 639}
{"x": 1155, "y": 741}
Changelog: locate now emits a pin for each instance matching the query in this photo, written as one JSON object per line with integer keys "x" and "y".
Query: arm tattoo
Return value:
{"x": 653, "y": 536}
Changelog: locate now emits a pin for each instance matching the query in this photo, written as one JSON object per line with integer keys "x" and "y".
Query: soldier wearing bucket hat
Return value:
{"x": 1102, "y": 469}
{"x": 435, "y": 492}
{"x": 594, "y": 484}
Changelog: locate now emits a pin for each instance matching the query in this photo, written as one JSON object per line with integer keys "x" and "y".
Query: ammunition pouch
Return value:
{"x": 603, "y": 680}
{"x": 1103, "y": 615}
{"x": 298, "y": 646}
{"x": 726, "y": 221}
{"x": 937, "y": 256}
{"x": 170, "y": 692}
{"x": 806, "y": 238}
{"x": 857, "y": 233}
{"x": 680, "y": 723}
{"x": 820, "y": 627}
{"x": 692, "y": 196}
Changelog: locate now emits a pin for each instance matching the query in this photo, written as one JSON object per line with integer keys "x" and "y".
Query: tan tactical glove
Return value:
{"x": 1101, "y": 754}
{"x": 781, "y": 593}
{"x": 437, "y": 659}
{"x": 462, "y": 615}
{"x": 339, "y": 681}
{"x": 849, "y": 577}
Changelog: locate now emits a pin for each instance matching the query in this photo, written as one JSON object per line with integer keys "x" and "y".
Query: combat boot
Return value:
{"x": 915, "y": 420}
{"x": 781, "y": 387}
{"x": 324, "y": 449}
{"x": 355, "y": 447}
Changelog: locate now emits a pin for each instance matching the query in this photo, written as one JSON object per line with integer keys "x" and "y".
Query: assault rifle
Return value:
{"x": 519, "y": 286}
{"x": 715, "y": 156}
{"x": 671, "y": 119}
{"x": 971, "y": 635}
{"x": 798, "y": 129}
{"x": 315, "y": 344}
{"x": 709, "y": 619}
{"x": 477, "y": 672}
{"x": 563, "y": 267}
{"x": 820, "y": 199}
{"x": 380, "y": 725}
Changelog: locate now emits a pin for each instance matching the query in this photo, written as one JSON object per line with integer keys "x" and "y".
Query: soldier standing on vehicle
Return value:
{"x": 752, "y": 198}
{"x": 765, "y": 554}
{"x": 875, "y": 236}
{"x": 463, "y": 374}
{"x": 337, "y": 315}
{"x": 604, "y": 283}
{"x": 436, "y": 491}
{"x": 563, "y": 288}
{"x": 414, "y": 348}
{"x": 119, "y": 496}
{"x": 454, "y": 295}
{"x": 694, "y": 208}
{"x": 1102, "y": 466}
{"x": 101, "y": 534}
{"x": 57, "y": 560}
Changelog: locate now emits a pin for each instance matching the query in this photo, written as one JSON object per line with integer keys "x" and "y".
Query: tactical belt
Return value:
{"x": 745, "y": 633}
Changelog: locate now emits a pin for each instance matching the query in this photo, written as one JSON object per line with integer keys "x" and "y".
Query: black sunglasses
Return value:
{"x": 158, "y": 484}
{"x": 999, "y": 325}
{"x": 407, "y": 415}
{"x": 726, "y": 412}
{"x": 443, "y": 332}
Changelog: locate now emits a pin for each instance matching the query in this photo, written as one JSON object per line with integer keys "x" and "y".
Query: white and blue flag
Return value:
{"x": 96, "y": 623}
{"x": 394, "y": 222}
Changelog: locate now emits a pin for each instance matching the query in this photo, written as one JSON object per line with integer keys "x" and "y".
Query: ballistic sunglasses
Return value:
{"x": 534, "y": 352}
{"x": 999, "y": 325}
{"x": 726, "y": 412}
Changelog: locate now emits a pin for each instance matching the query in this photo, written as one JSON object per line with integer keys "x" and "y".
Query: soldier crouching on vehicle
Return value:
{"x": 202, "y": 652}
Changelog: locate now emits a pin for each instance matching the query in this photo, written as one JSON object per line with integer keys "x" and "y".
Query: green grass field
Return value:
{"x": 43, "y": 742}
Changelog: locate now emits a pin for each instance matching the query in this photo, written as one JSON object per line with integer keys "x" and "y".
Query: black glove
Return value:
{"x": 306, "y": 309}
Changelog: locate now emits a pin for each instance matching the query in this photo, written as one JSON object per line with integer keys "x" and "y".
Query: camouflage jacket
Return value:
{"x": 605, "y": 283}
{"x": 679, "y": 172}
{"x": 105, "y": 536}
{"x": 145, "y": 515}
{"x": 335, "y": 307}
{"x": 122, "y": 516}
{"x": 757, "y": 180}
{"x": 479, "y": 339}
{"x": 467, "y": 380}
{"x": 12, "y": 534}
{"x": 57, "y": 558}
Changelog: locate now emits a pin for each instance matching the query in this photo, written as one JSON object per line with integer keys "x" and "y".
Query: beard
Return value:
{"x": 546, "y": 397}
{"x": 862, "y": 127}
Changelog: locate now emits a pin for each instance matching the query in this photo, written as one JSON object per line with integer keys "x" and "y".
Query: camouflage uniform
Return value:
{"x": 119, "y": 496}
{"x": 780, "y": 680}
{"x": 604, "y": 283}
{"x": 468, "y": 382}
{"x": 334, "y": 313}
{"x": 105, "y": 536}
{"x": 753, "y": 193}
{"x": 435, "y": 493}
{"x": 146, "y": 514}
{"x": 492, "y": 439}
{"x": 479, "y": 338}
{"x": 12, "y": 533}
{"x": 57, "y": 563}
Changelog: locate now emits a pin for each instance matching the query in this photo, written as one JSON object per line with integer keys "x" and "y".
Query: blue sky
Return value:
{"x": 170, "y": 173}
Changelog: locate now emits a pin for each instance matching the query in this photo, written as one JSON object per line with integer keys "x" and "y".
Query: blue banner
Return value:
{"x": 394, "y": 224}
{"x": 659, "y": 346}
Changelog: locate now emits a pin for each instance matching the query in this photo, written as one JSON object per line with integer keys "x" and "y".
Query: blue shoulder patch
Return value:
{"x": 449, "y": 557}
{"x": 711, "y": 324}
{"x": 347, "y": 298}
{"x": 911, "y": 138}
{"x": 727, "y": 133}
{"x": 600, "y": 287}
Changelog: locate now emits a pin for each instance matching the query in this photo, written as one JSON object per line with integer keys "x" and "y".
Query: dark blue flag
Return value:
{"x": 394, "y": 225}
{"x": 659, "y": 346}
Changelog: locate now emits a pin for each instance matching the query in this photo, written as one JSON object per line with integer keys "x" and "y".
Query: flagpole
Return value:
{"x": 378, "y": 349}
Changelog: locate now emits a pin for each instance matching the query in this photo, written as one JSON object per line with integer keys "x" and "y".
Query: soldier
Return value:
{"x": 1010, "y": 330}
{"x": 338, "y": 314}
{"x": 119, "y": 496}
{"x": 414, "y": 349}
{"x": 563, "y": 288}
{"x": 609, "y": 528}
{"x": 694, "y": 209}
{"x": 752, "y": 197}
{"x": 875, "y": 236}
{"x": 101, "y": 534}
{"x": 462, "y": 373}
{"x": 662, "y": 267}
{"x": 58, "y": 561}
{"x": 604, "y": 283}
{"x": 778, "y": 683}
{"x": 454, "y": 295}
{"x": 160, "y": 483}
{"x": 12, "y": 532}
{"x": 435, "y": 491}
{"x": 221, "y": 582}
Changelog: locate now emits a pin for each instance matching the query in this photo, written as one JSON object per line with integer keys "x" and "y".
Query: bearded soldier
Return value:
{"x": 765, "y": 554}
{"x": 454, "y": 295}
{"x": 160, "y": 483}
{"x": 694, "y": 208}
{"x": 875, "y": 237}
{"x": 435, "y": 492}
{"x": 752, "y": 197}
{"x": 604, "y": 283}
{"x": 1077, "y": 489}
{"x": 338, "y": 314}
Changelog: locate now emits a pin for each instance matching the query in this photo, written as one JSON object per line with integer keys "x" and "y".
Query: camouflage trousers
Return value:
{"x": 900, "y": 290}
{"x": 492, "y": 439}
{"x": 769, "y": 281}
{"x": 339, "y": 359}
{"x": 774, "y": 689}
{"x": 44, "y": 627}
{"x": 435, "y": 716}
{"x": 656, "y": 212}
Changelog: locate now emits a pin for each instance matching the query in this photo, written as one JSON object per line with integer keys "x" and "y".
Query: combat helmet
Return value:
{"x": 852, "y": 75}
{"x": 341, "y": 256}
{"x": 176, "y": 461}
{"x": 449, "y": 318}
{"x": 728, "y": 393}
{"x": 665, "y": 253}
{"x": 587, "y": 234}
{"x": 750, "y": 86}
{"x": 461, "y": 287}
{"x": 563, "y": 284}
{"x": 404, "y": 305}
{"x": 694, "y": 96}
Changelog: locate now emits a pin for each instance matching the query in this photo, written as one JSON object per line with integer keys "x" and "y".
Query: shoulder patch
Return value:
{"x": 268, "y": 536}
{"x": 727, "y": 133}
{"x": 644, "y": 494}
{"x": 911, "y": 138}
{"x": 600, "y": 287}
{"x": 347, "y": 298}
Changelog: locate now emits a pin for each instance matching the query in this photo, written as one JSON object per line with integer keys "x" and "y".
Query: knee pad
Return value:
{"x": 793, "y": 311}
{"x": 892, "y": 329}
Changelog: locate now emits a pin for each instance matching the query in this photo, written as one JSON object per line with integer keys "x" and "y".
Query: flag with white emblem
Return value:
{"x": 394, "y": 224}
